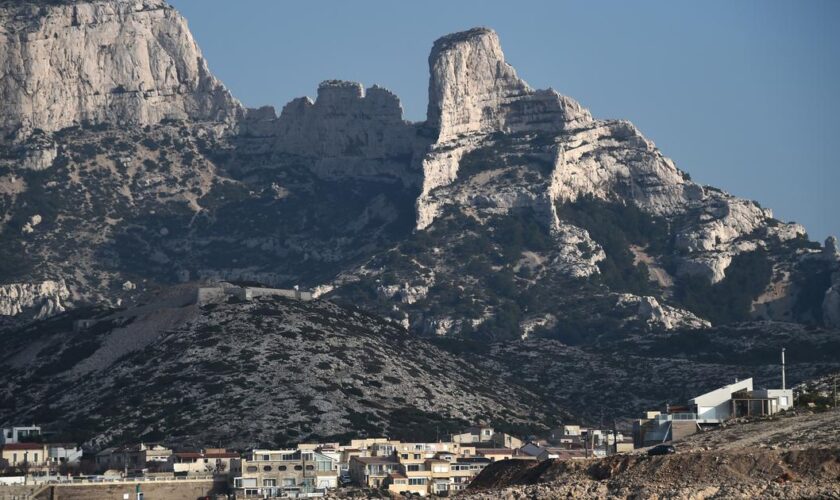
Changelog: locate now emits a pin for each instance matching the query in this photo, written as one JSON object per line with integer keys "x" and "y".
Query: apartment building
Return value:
{"x": 204, "y": 462}
{"x": 293, "y": 472}
{"x": 373, "y": 472}
{"x": 441, "y": 474}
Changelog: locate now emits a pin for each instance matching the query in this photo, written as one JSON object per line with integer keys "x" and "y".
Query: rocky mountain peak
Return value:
{"x": 473, "y": 90}
{"x": 121, "y": 62}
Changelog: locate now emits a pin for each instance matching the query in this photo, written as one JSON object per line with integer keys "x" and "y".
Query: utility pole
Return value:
{"x": 783, "y": 369}
{"x": 615, "y": 437}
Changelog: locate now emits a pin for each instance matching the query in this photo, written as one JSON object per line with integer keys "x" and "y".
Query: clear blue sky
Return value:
{"x": 741, "y": 94}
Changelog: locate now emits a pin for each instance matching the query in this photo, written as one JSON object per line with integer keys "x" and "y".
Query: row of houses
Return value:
{"x": 311, "y": 469}
{"x": 399, "y": 467}
{"x": 23, "y": 447}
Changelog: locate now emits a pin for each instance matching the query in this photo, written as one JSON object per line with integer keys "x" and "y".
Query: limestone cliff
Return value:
{"x": 483, "y": 110}
{"x": 116, "y": 61}
{"x": 473, "y": 92}
{"x": 346, "y": 131}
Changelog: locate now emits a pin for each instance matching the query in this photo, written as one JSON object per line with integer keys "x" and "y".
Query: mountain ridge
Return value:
{"x": 511, "y": 229}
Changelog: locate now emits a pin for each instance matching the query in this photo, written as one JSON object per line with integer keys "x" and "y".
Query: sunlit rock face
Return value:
{"x": 117, "y": 61}
{"x": 473, "y": 90}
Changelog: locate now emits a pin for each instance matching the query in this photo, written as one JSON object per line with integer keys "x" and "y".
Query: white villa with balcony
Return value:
{"x": 738, "y": 399}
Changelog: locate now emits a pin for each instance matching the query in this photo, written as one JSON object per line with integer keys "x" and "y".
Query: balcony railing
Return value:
{"x": 676, "y": 416}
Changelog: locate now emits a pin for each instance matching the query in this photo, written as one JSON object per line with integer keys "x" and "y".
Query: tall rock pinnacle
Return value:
{"x": 473, "y": 90}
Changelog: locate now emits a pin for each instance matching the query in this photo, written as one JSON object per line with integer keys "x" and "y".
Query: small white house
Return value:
{"x": 63, "y": 453}
{"x": 13, "y": 435}
{"x": 738, "y": 400}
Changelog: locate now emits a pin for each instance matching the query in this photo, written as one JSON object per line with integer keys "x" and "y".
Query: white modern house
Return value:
{"x": 738, "y": 399}
{"x": 716, "y": 406}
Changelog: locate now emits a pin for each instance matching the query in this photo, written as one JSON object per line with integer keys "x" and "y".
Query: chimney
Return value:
{"x": 783, "y": 369}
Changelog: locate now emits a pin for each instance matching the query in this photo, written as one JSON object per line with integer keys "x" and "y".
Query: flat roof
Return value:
{"x": 375, "y": 460}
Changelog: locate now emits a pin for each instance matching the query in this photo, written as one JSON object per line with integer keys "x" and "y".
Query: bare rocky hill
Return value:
{"x": 269, "y": 371}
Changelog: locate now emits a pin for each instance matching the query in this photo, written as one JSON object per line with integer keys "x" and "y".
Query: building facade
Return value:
{"x": 290, "y": 472}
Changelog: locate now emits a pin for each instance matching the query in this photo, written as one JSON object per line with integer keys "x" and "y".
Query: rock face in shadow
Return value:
{"x": 346, "y": 132}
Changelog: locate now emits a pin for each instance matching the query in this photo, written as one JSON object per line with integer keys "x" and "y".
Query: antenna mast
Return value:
{"x": 783, "y": 369}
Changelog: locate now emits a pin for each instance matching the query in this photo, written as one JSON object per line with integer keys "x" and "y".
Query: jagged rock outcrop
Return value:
{"x": 655, "y": 315}
{"x": 480, "y": 107}
{"x": 43, "y": 299}
{"x": 116, "y": 61}
{"x": 473, "y": 92}
{"x": 346, "y": 131}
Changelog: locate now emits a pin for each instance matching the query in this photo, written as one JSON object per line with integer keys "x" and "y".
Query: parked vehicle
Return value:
{"x": 662, "y": 449}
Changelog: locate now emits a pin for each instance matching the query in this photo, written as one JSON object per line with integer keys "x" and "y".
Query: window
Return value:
{"x": 270, "y": 482}
{"x": 267, "y": 468}
{"x": 417, "y": 481}
{"x": 266, "y": 457}
{"x": 307, "y": 456}
{"x": 245, "y": 482}
{"x": 298, "y": 467}
{"x": 205, "y": 460}
{"x": 439, "y": 468}
{"x": 404, "y": 456}
{"x": 281, "y": 468}
{"x": 413, "y": 468}
{"x": 783, "y": 401}
{"x": 251, "y": 468}
{"x": 310, "y": 467}
{"x": 36, "y": 458}
{"x": 416, "y": 456}
{"x": 288, "y": 482}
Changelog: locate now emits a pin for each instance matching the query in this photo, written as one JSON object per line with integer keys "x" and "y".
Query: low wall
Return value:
{"x": 157, "y": 490}
{"x": 17, "y": 492}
